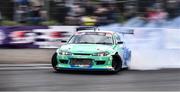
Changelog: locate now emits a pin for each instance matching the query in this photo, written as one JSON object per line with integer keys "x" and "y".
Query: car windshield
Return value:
{"x": 92, "y": 38}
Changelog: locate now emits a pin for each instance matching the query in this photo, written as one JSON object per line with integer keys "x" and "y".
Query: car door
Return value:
{"x": 123, "y": 51}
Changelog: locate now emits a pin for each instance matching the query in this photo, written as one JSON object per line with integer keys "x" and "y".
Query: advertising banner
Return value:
{"x": 2, "y": 35}
{"x": 53, "y": 37}
{"x": 18, "y": 36}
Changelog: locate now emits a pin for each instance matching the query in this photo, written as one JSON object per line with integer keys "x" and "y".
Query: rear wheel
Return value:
{"x": 54, "y": 62}
{"x": 116, "y": 63}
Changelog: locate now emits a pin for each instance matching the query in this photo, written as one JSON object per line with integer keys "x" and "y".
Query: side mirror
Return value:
{"x": 63, "y": 41}
{"x": 120, "y": 42}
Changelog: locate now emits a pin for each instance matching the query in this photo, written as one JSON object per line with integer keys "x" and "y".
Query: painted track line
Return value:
{"x": 24, "y": 66}
{"x": 19, "y": 65}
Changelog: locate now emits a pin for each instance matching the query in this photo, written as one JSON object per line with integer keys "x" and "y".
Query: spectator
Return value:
{"x": 173, "y": 8}
{"x": 37, "y": 2}
{"x": 89, "y": 9}
{"x": 156, "y": 14}
{"x": 88, "y": 18}
{"x": 22, "y": 2}
{"x": 130, "y": 12}
{"x": 36, "y": 15}
{"x": 62, "y": 13}
{"x": 0, "y": 17}
{"x": 21, "y": 14}
{"x": 112, "y": 14}
{"x": 101, "y": 13}
{"x": 101, "y": 10}
{"x": 74, "y": 15}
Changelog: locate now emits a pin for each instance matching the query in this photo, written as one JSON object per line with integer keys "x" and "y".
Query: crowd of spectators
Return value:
{"x": 0, "y": 17}
{"x": 88, "y": 12}
{"x": 28, "y": 11}
{"x": 157, "y": 14}
{"x": 77, "y": 13}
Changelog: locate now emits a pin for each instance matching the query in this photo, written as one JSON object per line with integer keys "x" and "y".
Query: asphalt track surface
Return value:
{"x": 22, "y": 78}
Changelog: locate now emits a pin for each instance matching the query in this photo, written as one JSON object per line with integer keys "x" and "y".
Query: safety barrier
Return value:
{"x": 34, "y": 36}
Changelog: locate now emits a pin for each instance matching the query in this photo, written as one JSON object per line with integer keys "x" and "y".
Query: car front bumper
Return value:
{"x": 106, "y": 66}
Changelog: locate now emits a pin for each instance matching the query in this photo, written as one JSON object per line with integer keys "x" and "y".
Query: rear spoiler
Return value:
{"x": 126, "y": 31}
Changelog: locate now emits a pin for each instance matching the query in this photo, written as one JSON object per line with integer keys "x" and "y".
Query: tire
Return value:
{"x": 54, "y": 62}
{"x": 117, "y": 63}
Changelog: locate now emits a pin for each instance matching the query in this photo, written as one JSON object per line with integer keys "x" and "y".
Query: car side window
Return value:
{"x": 118, "y": 38}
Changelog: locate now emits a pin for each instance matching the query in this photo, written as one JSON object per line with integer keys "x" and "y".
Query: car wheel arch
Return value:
{"x": 117, "y": 56}
{"x": 117, "y": 62}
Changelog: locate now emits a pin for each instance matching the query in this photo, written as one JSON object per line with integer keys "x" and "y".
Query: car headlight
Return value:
{"x": 101, "y": 54}
{"x": 65, "y": 53}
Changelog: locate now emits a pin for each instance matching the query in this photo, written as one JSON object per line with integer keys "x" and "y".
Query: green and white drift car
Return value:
{"x": 95, "y": 50}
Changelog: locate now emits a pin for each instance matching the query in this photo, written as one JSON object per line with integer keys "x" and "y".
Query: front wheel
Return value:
{"x": 54, "y": 62}
{"x": 117, "y": 63}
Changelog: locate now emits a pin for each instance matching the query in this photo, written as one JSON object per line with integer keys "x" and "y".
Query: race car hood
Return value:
{"x": 86, "y": 48}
